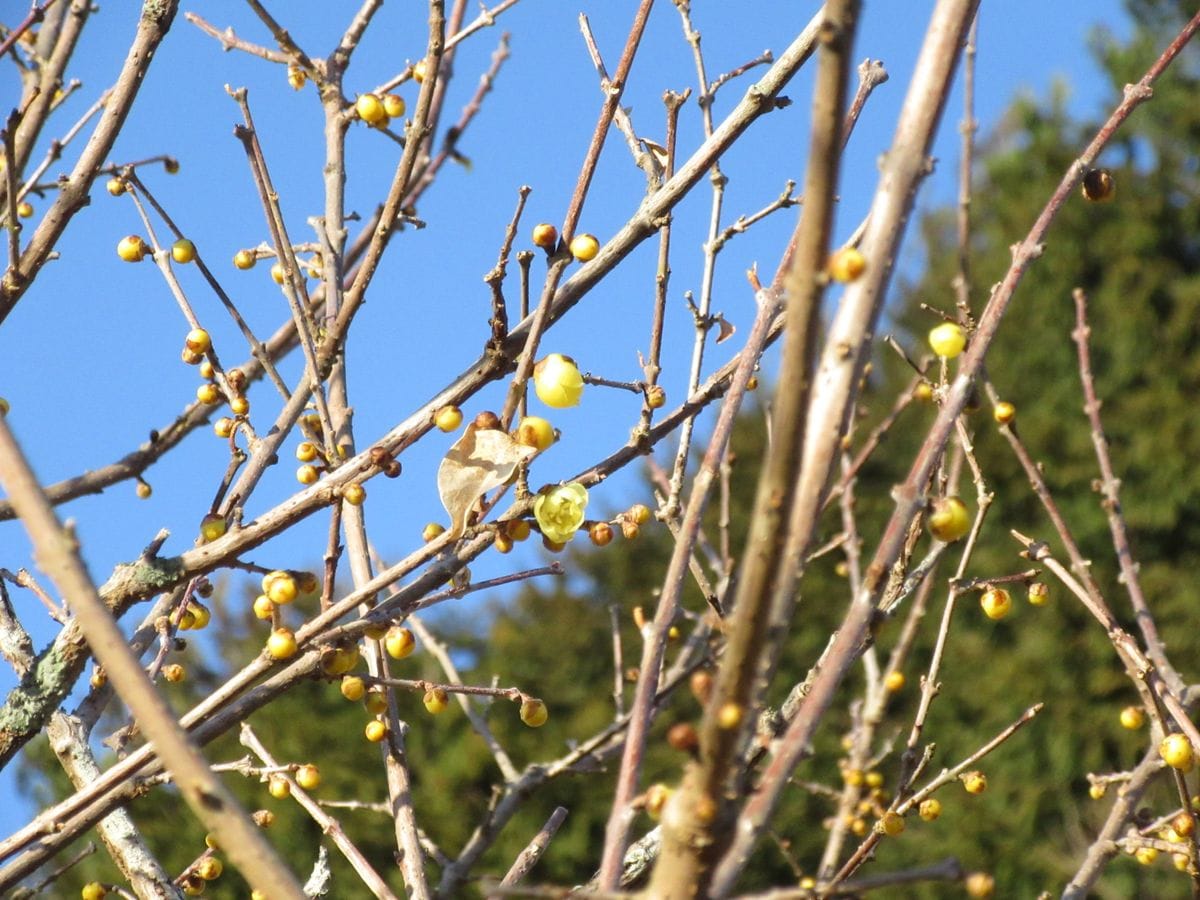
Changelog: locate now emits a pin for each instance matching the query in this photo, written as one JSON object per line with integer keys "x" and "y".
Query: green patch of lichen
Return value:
{"x": 44, "y": 687}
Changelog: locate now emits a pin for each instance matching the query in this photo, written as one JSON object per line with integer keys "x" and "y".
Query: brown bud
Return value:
{"x": 601, "y": 534}
{"x": 236, "y": 379}
{"x": 682, "y": 736}
{"x": 487, "y": 421}
{"x": 701, "y": 684}
{"x": 392, "y": 469}
{"x": 1099, "y": 186}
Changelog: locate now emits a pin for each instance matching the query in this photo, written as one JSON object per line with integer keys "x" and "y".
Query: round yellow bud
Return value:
{"x": 1177, "y": 752}
{"x": 263, "y": 607}
{"x": 132, "y": 248}
{"x": 393, "y": 105}
{"x": 974, "y": 782}
{"x": 949, "y": 520}
{"x": 436, "y": 700}
{"x": 198, "y": 341}
{"x": 557, "y": 381}
{"x": 371, "y": 110}
{"x": 183, "y": 251}
{"x": 279, "y": 787}
{"x": 282, "y": 644}
{"x": 308, "y": 777}
{"x": 584, "y": 247}
{"x": 1133, "y": 718}
{"x": 399, "y": 642}
{"x": 280, "y": 587}
{"x": 996, "y": 603}
{"x": 534, "y": 431}
{"x": 948, "y": 339}
{"x": 891, "y": 824}
{"x": 847, "y": 264}
{"x": 210, "y": 868}
{"x": 375, "y": 702}
{"x": 448, "y": 418}
{"x": 1146, "y": 855}
{"x": 534, "y": 712}
{"x": 353, "y": 688}
{"x": 729, "y": 716}
{"x": 212, "y": 526}
{"x": 980, "y": 885}
{"x": 208, "y": 393}
{"x": 545, "y": 236}
{"x": 202, "y": 613}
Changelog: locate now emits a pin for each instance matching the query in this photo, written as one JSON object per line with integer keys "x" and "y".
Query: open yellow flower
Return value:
{"x": 557, "y": 381}
{"x": 559, "y": 511}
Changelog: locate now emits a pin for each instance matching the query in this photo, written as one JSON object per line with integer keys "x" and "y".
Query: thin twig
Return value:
{"x": 528, "y": 858}
{"x": 1110, "y": 487}
{"x": 329, "y": 825}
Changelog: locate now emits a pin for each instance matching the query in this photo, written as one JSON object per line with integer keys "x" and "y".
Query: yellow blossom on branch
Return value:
{"x": 559, "y": 511}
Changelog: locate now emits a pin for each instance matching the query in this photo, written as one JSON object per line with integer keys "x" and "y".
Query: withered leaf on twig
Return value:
{"x": 726, "y": 328}
{"x": 478, "y": 462}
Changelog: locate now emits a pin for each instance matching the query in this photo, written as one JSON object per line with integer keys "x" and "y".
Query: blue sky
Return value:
{"x": 89, "y": 360}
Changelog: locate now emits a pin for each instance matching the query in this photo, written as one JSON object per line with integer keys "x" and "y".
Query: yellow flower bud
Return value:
{"x": 557, "y": 381}
{"x": 559, "y": 511}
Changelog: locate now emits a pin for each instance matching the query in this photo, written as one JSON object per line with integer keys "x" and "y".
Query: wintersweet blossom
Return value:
{"x": 559, "y": 511}
{"x": 557, "y": 381}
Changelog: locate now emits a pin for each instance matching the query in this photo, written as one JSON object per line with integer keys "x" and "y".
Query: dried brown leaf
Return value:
{"x": 478, "y": 462}
{"x": 658, "y": 151}
{"x": 726, "y": 329}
